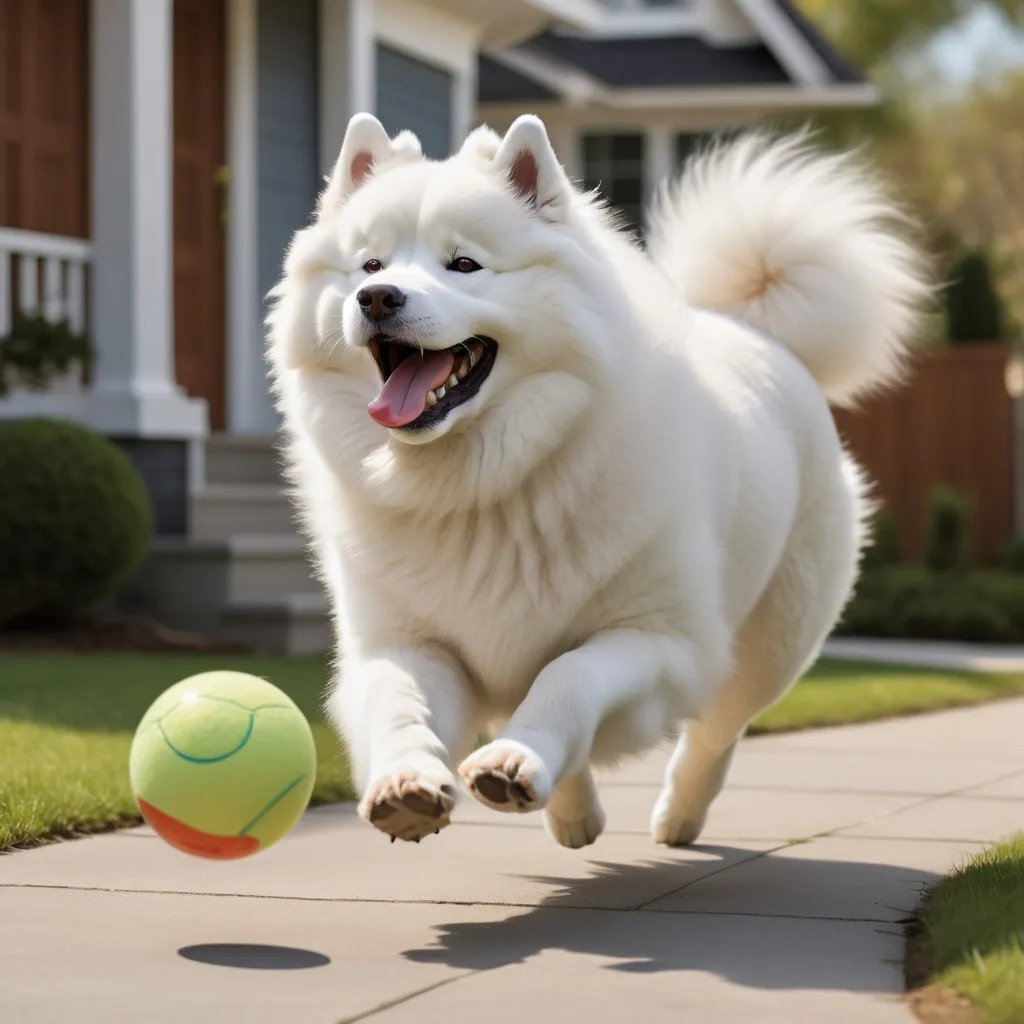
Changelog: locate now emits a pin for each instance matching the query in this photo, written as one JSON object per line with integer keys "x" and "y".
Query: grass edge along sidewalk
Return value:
{"x": 965, "y": 947}
{"x": 66, "y": 723}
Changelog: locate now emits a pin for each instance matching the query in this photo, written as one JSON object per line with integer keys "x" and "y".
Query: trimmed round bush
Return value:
{"x": 75, "y": 519}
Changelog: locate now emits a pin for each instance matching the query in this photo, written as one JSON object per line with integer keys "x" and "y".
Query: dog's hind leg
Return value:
{"x": 779, "y": 641}
{"x": 574, "y": 816}
{"x": 403, "y": 711}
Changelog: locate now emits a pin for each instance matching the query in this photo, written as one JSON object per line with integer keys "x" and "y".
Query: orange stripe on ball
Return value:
{"x": 190, "y": 840}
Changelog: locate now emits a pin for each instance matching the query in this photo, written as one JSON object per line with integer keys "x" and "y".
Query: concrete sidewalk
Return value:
{"x": 948, "y": 654}
{"x": 490, "y": 922}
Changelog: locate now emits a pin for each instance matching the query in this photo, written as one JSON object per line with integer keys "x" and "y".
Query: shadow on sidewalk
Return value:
{"x": 797, "y": 944}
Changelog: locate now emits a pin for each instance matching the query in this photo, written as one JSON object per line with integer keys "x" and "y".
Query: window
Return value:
{"x": 615, "y": 165}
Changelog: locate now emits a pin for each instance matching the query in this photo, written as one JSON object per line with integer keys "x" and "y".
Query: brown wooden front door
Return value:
{"x": 44, "y": 125}
{"x": 200, "y": 341}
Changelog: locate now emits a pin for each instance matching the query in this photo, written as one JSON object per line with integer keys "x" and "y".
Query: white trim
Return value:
{"x": 583, "y": 14}
{"x": 35, "y": 243}
{"x": 748, "y": 100}
{"x": 787, "y": 42}
{"x": 63, "y": 260}
{"x": 775, "y": 97}
{"x": 638, "y": 24}
{"x": 247, "y": 392}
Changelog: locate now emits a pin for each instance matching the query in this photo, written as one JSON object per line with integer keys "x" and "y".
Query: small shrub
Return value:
{"x": 75, "y": 519}
{"x": 948, "y": 542}
{"x": 886, "y": 546}
{"x": 919, "y": 604}
{"x": 1012, "y": 555}
{"x": 36, "y": 350}
{"x": 973, "y": 308}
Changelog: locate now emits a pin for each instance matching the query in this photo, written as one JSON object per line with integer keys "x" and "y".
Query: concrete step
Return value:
{"x": 237, "y": 459}
{"x": 292, "y": 624}
{"x": 225, "y": 510}
{"x": 242, "y": 566}
{"x": 190, "y": 584}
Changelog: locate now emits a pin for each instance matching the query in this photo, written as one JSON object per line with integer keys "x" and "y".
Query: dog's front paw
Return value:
{"x": 507, "y": 775}
{"x": 410, "y": 803}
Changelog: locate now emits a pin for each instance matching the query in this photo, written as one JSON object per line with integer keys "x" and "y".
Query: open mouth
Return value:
{"x": 421, "y": 386}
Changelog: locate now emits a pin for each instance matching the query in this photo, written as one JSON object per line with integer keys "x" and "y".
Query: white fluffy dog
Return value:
{"x": 589, "y": 494}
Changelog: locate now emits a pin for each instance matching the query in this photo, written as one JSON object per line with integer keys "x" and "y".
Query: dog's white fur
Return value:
{"x": 644, "y": 519}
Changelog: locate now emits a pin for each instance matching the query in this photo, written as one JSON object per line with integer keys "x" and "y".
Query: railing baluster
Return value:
{"x": 28, "y": 285}
{"x": 5, "y": 292}
{"x": 75, "y": 301}
{"x": 53, "y": 290}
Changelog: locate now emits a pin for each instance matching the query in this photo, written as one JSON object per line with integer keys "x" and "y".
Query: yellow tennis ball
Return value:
{"x": 222, "y": 765}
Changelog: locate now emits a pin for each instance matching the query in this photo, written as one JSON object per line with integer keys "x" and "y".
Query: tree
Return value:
{"x": 870, "y": 32}
{"x": 956, "y": 161}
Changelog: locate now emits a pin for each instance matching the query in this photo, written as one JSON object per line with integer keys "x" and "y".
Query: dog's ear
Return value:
{"x": 482, "y": 142}
{"x": 366, "y": 146}
{"x": 528, "y": 161}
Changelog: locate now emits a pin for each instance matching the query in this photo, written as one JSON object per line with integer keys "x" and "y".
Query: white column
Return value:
{"x": 249, "y": 405}
{"x": 659, "y": 161}
{"x": 464, "y": 102}
{"x": 348, "y": 69}
{"x": 135, "y": 393}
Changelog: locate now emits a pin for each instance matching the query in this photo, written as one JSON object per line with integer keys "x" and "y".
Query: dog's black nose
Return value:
{"x": 379, "y": 301}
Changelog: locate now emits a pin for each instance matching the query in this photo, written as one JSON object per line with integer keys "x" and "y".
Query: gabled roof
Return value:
{"x": 783, "y": 51}
{"x": 842, "y": 70}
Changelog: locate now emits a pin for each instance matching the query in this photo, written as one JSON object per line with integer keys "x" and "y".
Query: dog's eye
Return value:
{"x": 372, "y": 266}
{"x": 464, "y": 265}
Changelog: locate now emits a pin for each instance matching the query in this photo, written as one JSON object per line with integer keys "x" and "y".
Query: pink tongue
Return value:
{"x": 404, "y": 395}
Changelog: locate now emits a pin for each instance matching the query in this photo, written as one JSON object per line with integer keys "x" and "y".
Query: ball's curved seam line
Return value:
{"x": 221, "y": 700}
{"x": 209, "y": 760}
{"x": 277, "y": 799}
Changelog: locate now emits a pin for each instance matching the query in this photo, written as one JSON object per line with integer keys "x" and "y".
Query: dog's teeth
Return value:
{"x": 440, "y": 392}
{"x": 463, "y": 369}
{"x": 452, "y": 381}
{"x": 431, "y": 399}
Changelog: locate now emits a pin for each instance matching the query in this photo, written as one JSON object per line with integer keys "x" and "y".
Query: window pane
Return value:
{"x": 615, "y": 165}
{"x": 627, "y": 190}
{"x": 627, "y": 147}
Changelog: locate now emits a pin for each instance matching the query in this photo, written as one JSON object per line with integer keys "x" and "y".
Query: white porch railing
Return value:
{"x": 43, "y": 274}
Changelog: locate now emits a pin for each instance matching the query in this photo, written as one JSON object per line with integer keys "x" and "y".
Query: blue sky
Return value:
{"x": 982, "y": 44}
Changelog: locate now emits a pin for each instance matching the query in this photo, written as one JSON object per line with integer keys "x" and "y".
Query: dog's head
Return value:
{"x": 469, "y": 305}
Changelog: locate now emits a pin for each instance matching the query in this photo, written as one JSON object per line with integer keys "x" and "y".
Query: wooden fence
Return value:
{"x": 951, "y": 424}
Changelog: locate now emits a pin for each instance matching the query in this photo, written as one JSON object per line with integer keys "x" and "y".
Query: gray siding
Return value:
{"x": 415, "y": 95}
{"x": 288, "y": 180}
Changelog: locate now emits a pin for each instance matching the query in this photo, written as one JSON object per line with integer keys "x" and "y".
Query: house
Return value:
{"x": 159, "y": 154}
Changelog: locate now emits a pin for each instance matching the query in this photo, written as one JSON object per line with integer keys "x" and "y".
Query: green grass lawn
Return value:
{"x": 974, "y": 932}
{"x": 838, "y": 693}
{"x": 66, "y": 723}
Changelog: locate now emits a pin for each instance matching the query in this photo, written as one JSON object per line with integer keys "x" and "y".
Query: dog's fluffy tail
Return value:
{"x": 804, "y": 247}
